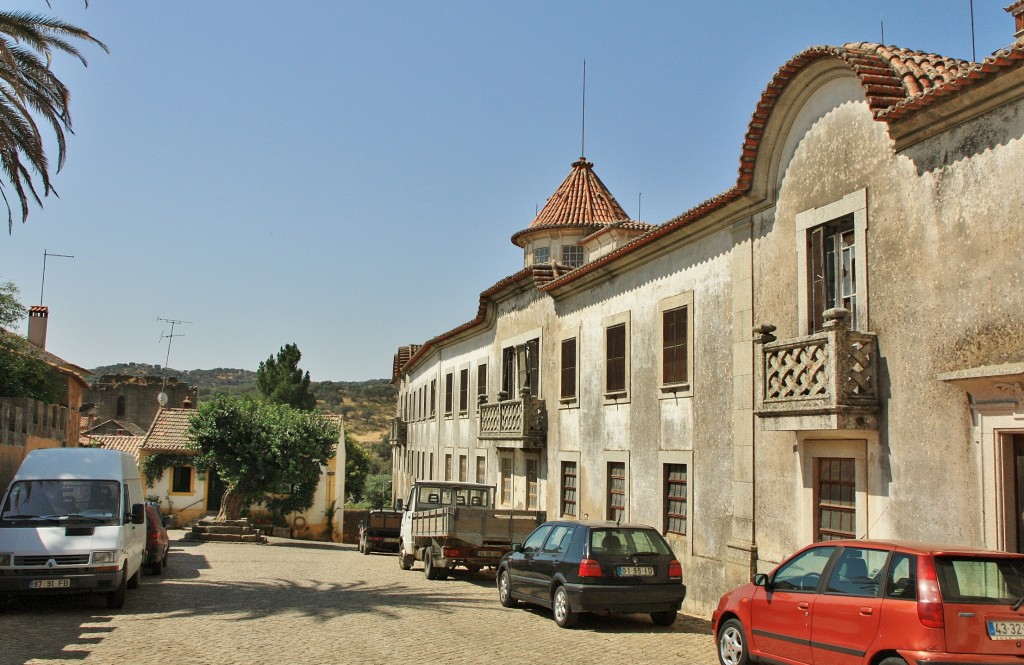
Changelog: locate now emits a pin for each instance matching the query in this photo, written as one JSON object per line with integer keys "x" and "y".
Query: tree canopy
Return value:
{"x": 29, "y": 89}
{"x": 281, "y": 380}
{"x": 269, "y": 453}
{"x": 22, "y": 374}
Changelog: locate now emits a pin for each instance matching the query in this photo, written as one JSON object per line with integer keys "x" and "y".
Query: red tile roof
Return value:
{"x": 581, "y": 201}
{"x": 168, "y": 433}
{"x": 128, "y": 444}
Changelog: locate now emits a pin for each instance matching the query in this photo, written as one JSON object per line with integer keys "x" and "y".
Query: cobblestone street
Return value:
{"x": 305, "y": 602}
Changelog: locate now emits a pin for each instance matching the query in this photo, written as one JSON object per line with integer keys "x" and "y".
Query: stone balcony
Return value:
{"x": 513, "y": 423}
{"x": 824, "y": 381}
{"x": 399, "y": 432}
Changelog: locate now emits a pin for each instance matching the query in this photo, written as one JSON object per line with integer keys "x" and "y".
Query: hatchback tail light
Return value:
{"x": 675, "y": 570}
{"x": 590, "y": 568}
{"x": 929, "y": 602}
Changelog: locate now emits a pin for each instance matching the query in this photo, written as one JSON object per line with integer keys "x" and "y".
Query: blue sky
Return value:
{"x": 346, "y": 175}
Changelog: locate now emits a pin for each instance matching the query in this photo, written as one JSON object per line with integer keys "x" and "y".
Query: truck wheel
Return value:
{"x": 115, "y": 599}
{"x": 404, "y": 560}
{"x": 431, "y": 571}
{"x": 364, "y": 548}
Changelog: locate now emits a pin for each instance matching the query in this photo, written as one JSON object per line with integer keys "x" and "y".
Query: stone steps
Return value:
{"x": 237, "y": 531}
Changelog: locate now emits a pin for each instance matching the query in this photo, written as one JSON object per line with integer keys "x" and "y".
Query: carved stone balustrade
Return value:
{"x": 824, "y": 381}
{"x": 399, "y": 432}
{"x": 513, "y": 423}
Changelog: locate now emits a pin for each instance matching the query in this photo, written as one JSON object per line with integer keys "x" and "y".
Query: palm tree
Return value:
{"x": 29, "y": 89}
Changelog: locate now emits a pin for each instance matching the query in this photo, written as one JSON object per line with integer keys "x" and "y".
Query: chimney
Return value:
{"x": 37, "y": 318}
{"x": 1017, "y": 10}
{"x": 186, "y": 403}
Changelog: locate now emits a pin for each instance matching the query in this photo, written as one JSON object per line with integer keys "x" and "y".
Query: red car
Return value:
{"x": 157, "y": 541}
{"x": 874, "y": 602}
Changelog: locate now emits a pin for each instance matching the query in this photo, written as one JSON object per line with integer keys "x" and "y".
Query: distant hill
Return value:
{"x": 368, "y": 406}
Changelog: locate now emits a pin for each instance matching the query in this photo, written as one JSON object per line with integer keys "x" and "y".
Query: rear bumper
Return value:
{"x": 624, "y": 599}
{"x": 20, "y": 582}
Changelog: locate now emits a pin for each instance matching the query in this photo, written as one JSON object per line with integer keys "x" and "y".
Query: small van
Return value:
{"x": 73, "y": 521}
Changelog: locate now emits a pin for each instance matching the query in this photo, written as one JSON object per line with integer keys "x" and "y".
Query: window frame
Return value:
{"x": 568, "y": 370}
{"x": 573, "y": 249}
{"x": 612, "y": 493}
{"x": 668, "y": 484}
{"x": 669, "y": 388}
{"x": 538, "y": 251}
{"x": 563, "y": 488}
{"x": 463, "y": 391}
{"x": 449, "y": 397}
{"x": 174, "y": 479}
{"x": 619, "y": 394}
{"x": 821, "y": 503}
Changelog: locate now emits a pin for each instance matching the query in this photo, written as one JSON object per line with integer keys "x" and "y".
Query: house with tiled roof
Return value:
{"x": 833, "y": 347}
{"x": 27, "y": 424}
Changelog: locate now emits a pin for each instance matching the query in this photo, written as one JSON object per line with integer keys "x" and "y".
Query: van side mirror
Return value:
{"x": 761, "y": 579}
{"x": 138, "y": 513}
{"x": 398, "y": 504}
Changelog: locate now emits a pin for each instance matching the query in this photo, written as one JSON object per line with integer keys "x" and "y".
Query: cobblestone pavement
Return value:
{"x": 305, "y": 602}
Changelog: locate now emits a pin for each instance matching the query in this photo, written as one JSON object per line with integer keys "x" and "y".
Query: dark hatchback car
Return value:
{"x": 573, "y": 567}
{"x": 157, "y": 541}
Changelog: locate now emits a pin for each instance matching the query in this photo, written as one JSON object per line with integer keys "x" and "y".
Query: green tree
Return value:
{"x": 377, "y": 491}
{"x": 268, "y": 453}
{"x": 22, "y": 372}
{"x": 357, "y": 465}
{"x": 281, "y": 380}
{"x": 29, "y": 89}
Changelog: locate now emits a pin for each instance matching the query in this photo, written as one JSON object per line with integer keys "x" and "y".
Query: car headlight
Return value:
{"x": 103, "y": 557}
{"x": 6, "y": 558}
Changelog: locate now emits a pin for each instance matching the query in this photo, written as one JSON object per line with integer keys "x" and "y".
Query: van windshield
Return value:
{"x": 96, "y": 501}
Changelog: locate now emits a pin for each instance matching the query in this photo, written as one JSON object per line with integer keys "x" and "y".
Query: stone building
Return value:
{"x": 134, "y": 399}
{"x": 834, "y": 347}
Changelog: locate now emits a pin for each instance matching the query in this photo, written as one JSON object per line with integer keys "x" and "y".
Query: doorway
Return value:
{"x": 214, "y": 491}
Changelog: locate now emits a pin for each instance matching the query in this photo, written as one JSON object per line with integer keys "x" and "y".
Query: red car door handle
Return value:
{"x": 803, "y": 606}
{"x": 867, "y": 611}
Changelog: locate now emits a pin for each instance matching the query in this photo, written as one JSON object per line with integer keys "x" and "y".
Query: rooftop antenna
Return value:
{"x": 583, "y": 122}
{"x": 162, "y": 397}
{"x": 881, "y": 22}
{"x": 42, "y": 286}
{"x": 974, "y": 55}
{"x": 639, "y": 201}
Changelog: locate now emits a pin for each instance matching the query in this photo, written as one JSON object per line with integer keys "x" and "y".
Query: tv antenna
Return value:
{"x": 42, "y": 286}
{"x": 170, "y": 336}
{"x": 583, "y": 119}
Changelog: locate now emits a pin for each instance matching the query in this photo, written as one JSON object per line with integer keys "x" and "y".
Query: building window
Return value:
{"x": 615, "y": 359}
{"x": 506, "y": 480}
{"x": 520, "y": 368}
{"x": 835, "y": 498}
{"x": 181, "y": 481}
{"x": 832, "y": 271}
{"x": 481, "y": 379}
{"x": 675, "y": 498}
{"x": 569, "y": 489}
{"x": 430, "y": 467}
{"x": 572, "y": 255}
{"x": 568, "y": 369}
{"x": 616, "y": 491}
{"x": 463, "y": 468}
{"x": 541, "y": 255}
{"x": 120, "y": 406}
{"x": 448, "y": 379}
{"x": 481, "y": 469}
{"x": 463, "y": 391}
{"x": 433, "y": 397}
{"x": 675, "y": 344}
{"x": 447, "y": 467}
{"x": 532, "y": 484}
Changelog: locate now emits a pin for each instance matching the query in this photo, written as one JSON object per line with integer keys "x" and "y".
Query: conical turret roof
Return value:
{"x": 581, "y": 201}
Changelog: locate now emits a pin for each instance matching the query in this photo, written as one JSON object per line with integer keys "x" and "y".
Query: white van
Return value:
{"x": 73, "y": 521}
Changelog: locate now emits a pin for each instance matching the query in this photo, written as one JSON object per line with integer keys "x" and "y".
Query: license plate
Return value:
{"x": 391, "y": 540}
{"x": 636, "y": 571}
{"x": 50, "y": 584}
{"x": 1005, "y": 630}
{"x": 488, "y": 553}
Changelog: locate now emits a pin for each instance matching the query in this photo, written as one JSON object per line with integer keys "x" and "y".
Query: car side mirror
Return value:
{"x": 138, "y": 513}
{"x": 517, "y": 547}
{"x": 760, "y": 579}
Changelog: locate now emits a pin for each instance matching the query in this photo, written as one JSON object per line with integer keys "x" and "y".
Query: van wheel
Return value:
{"x": 133, "y": 581}
{"x": 115, "y": 599}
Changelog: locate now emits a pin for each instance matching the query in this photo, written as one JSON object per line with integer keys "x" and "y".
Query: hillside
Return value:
{"x": 367, "y": 406}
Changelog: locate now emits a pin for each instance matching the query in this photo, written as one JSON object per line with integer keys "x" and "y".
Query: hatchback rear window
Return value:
{"x": 994, "y": 580}
{"x": 628, "y": 542}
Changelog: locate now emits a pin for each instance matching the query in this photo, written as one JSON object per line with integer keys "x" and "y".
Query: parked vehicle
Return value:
{"x": 573, "y": 567}
{"x": 874, "y": 602}
{"x": 73, "y": 521}
{"x": 158, "y": 544}
{"x": 379, "y": 531}
{"x": 447, "y": 524}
